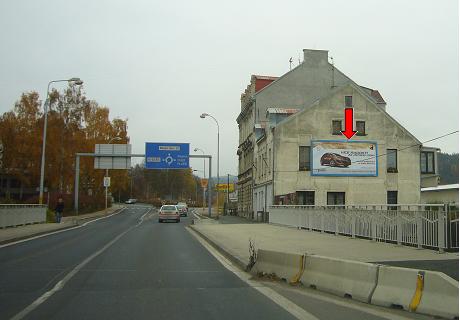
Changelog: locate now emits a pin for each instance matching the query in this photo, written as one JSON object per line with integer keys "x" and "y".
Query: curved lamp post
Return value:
{"x": 204, "y": 115}
{"x": 77, "y": 81}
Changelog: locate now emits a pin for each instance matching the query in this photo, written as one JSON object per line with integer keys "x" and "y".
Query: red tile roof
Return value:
{"x": 262, "y": 81}
{"x": 374, "y": 94}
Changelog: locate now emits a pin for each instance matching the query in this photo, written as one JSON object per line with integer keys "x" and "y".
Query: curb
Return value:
{"x": 75, "y": 223}
{"x": 35, "y": 234}
{"x": 237, "y": 261}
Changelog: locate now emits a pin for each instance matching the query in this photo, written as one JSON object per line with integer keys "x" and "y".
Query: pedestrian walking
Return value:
{"x": 59, "y": 209}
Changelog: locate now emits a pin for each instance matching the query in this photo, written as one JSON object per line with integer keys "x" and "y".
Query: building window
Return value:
{"x": 392, "y": 160}
{"x": 348, "y": 101}
{"x": 427, "y": 162}
{"x": 306, "y": 198}
{"x": 304, "y": 158}
{"x": 361, "y": 128}
{"x": 337, "y": 127}
{"x": 335, "y": 198}
{"x": 392, "y": 198}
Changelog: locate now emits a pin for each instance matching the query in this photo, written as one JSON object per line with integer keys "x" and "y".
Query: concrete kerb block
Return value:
{"x": 284, "y": 265}
{"x": 356, "y": 280}
{"x": 396, "y": 287}
{"x": 439, "y": 295}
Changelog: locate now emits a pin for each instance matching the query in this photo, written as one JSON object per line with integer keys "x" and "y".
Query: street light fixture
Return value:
{"x": 77, "y": 81}
{"x": 202, "y": 116}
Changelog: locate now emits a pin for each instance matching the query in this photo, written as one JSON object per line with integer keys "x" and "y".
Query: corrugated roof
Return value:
{"x": 282, "y": 110}
{"x": 260, "y": 77}
{"x": 442, "y": 187}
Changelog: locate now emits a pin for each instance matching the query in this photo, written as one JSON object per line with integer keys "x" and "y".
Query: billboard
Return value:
{"x": 344, "y": 158}
{"x": 166, "y": 155}
{"x": 225, "y": 187}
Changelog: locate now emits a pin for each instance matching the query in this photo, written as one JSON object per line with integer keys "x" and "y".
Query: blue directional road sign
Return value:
{"x": 167, "y": 155}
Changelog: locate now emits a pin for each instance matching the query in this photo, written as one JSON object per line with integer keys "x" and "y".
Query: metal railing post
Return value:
{"x": 336, "y": 219}
{"x": 353, "y": 224}
{"x": 419, "y": 222}
{"x": 398, "y": 228}
{"x": 442, "y": 215}
{"x": 322, "y": 221}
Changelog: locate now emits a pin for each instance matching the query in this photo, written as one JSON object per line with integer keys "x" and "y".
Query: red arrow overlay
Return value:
{"x": 348, "y": 132}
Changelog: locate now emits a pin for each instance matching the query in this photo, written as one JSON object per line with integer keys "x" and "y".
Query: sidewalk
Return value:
{"x": 226, "y": 219}
{"x": 27, "y": 231}
{"x": 234, "y": 240}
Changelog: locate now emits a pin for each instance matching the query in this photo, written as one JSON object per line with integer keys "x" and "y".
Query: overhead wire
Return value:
{"x": 384, "y": 154}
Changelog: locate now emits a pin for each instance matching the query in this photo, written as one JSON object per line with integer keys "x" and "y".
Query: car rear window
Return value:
{"x": 168, "y": 208}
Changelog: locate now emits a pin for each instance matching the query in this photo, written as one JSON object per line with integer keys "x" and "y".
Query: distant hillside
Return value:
{"x": 448, "y": 167}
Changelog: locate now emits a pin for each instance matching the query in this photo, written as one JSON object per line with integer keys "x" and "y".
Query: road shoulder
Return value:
{"x": 14, "y": 234}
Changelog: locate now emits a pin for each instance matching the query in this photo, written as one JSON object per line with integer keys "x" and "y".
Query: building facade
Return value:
{"x": 295, "y": 176}
{"x": 306, "y": 105}
{"x": 245, "y": 150}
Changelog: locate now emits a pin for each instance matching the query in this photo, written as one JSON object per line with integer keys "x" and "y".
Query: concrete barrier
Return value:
{"x": 395, "y": 287}
{"x": 356, "y": 280}
{"x": 285, "y": 265}
{"x": 439, "y": 296}
{"x": 428, "y": 292}
{"x": 18, "y": 214}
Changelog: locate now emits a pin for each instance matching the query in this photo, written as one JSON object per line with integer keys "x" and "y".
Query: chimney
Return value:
{"x": 315, "y": 57}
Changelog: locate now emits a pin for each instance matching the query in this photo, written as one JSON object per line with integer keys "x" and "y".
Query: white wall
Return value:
{"x": 316, "y": 123}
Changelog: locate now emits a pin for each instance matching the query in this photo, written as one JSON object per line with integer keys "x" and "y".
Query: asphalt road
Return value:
{"x": 129, "y": 266}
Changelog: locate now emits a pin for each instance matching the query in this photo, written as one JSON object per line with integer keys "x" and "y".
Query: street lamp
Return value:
{"x": 204, "y": 161}
{"x": 107, "y": 173}
{"x": 202, "y": 116}
{"x": 77, "y": 81}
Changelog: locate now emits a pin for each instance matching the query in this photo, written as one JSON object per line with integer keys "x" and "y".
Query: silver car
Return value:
{"x": 169, "y": 212}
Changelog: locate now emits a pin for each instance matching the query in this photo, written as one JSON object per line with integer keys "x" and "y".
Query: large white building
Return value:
{"x": 299, "y": 155}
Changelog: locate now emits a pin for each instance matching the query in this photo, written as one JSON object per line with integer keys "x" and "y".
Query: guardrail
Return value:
{"x": 19, "y": 214}
{"x": 414, "y": 225}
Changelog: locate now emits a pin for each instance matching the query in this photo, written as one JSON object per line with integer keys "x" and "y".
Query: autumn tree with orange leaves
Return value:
{"x": 75, "y": 124}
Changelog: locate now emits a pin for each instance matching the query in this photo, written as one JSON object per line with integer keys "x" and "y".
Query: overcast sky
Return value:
{"x": 160, "y": 64}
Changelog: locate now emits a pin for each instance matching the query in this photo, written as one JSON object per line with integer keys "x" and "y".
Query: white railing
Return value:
{"x": 19, "y": 214}
{"x": 452, "y": 237}
{"x": 412, "y": 225}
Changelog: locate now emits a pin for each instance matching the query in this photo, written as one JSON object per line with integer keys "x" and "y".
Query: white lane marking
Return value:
{"x": 72, "y": 273}
{"x": 281, "y": 301}
{"x": 352, "y": 304}
{"x": 58, "y": 231}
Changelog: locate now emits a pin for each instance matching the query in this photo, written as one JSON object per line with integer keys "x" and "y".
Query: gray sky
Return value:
{"x": 160, "y": 64}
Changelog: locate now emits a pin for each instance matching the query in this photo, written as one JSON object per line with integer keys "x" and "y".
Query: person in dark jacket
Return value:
{"x": 59, "y": 209}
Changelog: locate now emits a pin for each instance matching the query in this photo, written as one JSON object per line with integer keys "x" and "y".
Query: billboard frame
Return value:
{"x": 345, "y": 174}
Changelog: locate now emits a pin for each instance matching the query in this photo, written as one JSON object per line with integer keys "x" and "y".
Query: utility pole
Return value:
{"x": 228, "y": 191}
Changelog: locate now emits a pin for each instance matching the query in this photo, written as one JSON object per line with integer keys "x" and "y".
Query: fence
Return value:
{"x": 19, "y": 214}
{"x": 429, "y": 226}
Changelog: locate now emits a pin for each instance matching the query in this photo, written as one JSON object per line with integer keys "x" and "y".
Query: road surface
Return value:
{"x": 129, "y": 266}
